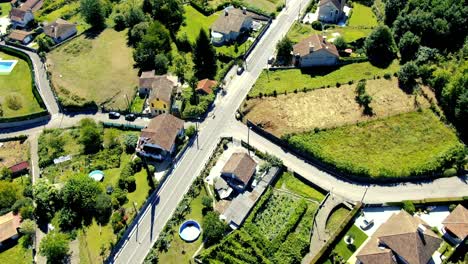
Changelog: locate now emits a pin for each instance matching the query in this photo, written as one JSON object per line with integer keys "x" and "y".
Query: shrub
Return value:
{"x": 387, "y": 76}
{"x": 450, "y": 172}
{"x": 119, "y": 21}
{"x": 452, "y": 207}
{"x": 317, "y": 25}
{"x": 130, "y": 142}
{"x": 190, "y": 131}
{"x": 14, "y": 102}
{"x": 408, "y": 206}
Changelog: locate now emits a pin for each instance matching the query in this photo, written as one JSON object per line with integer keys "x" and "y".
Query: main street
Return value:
{"x": 145, "y": 233}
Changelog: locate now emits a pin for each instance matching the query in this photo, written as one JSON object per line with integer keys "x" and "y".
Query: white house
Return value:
{"x": 331, "y": 11}
{"x": 60, "y": 30}
{"x": 315, "y": 51}
{"x": 230, "y": 25}
{"x": 20, "y": 17}
{"x": 158, "y": 139}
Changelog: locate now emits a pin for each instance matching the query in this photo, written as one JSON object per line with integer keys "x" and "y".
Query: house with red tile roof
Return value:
{"x": 206, "y": 86}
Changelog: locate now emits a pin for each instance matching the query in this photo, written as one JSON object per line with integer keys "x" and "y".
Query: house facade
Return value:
{"x": 230, "y": 25}
{"x": 331, "y": 11}
{"x": 60, "y": 30}
{"x": 159, "y": 139}
{"x": 24, "y": 37}
{"x": 20, "y": 17}
{"x": 238, "y": 171}
{"x": 315, "y": 51}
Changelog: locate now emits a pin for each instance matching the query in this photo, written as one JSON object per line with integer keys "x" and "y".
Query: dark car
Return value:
{"x": 114, "y": 115}
{"x": 240, "y": 70}
{"x": 130, "y": 117}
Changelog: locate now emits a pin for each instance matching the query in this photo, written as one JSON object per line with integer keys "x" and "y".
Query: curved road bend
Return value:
{"x": 376, "y": 193}
{"x": 145, "y": 233}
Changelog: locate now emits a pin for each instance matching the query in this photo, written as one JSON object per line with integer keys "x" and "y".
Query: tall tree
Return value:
{"x": 147, "y": 7}
{"x": 407, "y": 76}
{"x": 284, "y": 48}
{"x": 90, "y": 136}
{"x": 9, "y": 193}
{"x": 213, "y": 228}
{"x": 380, "y": 46}
{"x": 46, "y": 197}
{"x": 168, "y": 12}
{"x": 54, "y": 247}
{"x": 80, "y": 194}
{"x": 204, "y": 57}
{"x": 409, "y": 46}
{"x": 155, "y": 41}
{"x": 93, "y": 12}
{"x": 392, "y": 9}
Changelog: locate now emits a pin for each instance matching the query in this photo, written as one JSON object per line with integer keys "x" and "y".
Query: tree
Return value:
{"x": 54, "y": 246}
{"x": 9, "y": 193}
{"x": 103, "y": 208}
{"x": 161, "y": 64}
{"x": 136, "y": 33}
{"x": 168, "y": 12}
{"x": 119, "y": 22}
{"x": 147, "y": 6}
{"x": 392, "y": 9}
{"x": 28, "y": 229}
{"x": 317, "y": 25}
{"x": 408, "y": 206}
{"x": 380, "y": 46}
{"x": 44, "y": 42}
{"x": 46, "y": 197}
{"x": 134, "y": 15}
{"x": 204, "y": 57}
{"x": 284, "y": 48}
{"x": 130, "y": 142}
{"x": 155, "y": 41}
{"x": 90, "y": 136}
{"x": 213, "y": 228}
{"x": 181, "y": 67}
{"x": 407, "y": 76}
{"x": 409, "y": 46}
{"x": 93, "y": 12}
{"x": 5, "y": 173}
{"x": 340, "y": 43}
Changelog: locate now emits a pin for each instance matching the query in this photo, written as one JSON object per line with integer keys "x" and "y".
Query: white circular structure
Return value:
{"x": 190, "y": 230}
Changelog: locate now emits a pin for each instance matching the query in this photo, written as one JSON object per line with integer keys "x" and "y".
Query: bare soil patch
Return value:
{"x": 13, "y": 152}
{"x": 330, "y": 107}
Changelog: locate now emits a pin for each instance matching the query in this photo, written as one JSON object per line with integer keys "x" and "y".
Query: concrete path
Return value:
{"x": 320, "y": 234}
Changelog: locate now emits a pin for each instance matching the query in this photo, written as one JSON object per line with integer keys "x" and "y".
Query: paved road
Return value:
{"x": 42, "y": 82}
{"x": 146, "y": 232}
{"x": 372, "y": 193}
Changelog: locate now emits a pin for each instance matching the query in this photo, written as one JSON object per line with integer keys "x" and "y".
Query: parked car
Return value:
{"x": 271, "y": 60}
{"x": 114, "y": 115}
{"x": 240, "y": 70}
{"x": 130, "y": 117}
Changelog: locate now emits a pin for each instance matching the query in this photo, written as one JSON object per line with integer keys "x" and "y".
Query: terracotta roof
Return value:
{"x": 314, "y": 43}
{"x": 231, "y": 20}
{"x": 8, "y": 226}
{"x": 401, "y": 235}
{"x": 33, "y": 5}
{"x": 146, "y": 79}
{"x": 19, "y": 167}
{"x": 58, "y": 28}
{"x": 206, "y": 85}
{"x": 162, "y": 88}
{"x": 17, "y": 14}
{"x": 336, "y": 3}
{"x": 457, "y": 222}
{"x": 241, "y": 165}
{"x": 162, "y": 130}
{"x": 19, "y": 35}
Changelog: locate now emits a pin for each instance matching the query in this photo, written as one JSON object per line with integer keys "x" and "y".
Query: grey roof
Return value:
{"x": 58, "y": 28}
{"x": 162, "y": 88}
{"x": 230, "y": 21}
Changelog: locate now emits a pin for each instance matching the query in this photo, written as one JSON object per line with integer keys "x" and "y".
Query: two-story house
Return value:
{"x": 331, "y": 11}
{"x": 230, "y": 25}
{"x": 60, "y": 30}
{"x": 20, "y": 17}
{"x": 238, "y": 171}
{"x": 315, "y": 51}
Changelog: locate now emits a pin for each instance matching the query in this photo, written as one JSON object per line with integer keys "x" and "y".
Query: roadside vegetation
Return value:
{"x": 13, "y": 152}
{"x": 336, "y": 218}
{"x": 16, "y": 90}
{"x": 411, "y": 144}
{"x": 343, "y": 251}
{"x": 288, "y": 181}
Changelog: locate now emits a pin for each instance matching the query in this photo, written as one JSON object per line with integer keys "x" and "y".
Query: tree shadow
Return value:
{"x": 93, "y": 33}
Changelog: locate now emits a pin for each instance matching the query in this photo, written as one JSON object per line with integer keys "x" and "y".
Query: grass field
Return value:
{"x": 194, "y": 21}
{"x": 16, "y": 254}
{"x": 17, "y": 87}
{"x": 296, "y": 79}
{"x": 181, "y": 251}
{"x": 362, "y": 16}
{"x": 342, "y": 248}
{"x": 94, "y": 69}
{"x": 301, "y": 31}
{"x": 336, "y": 218}
{"x": 13, "y": 152}
{"x": 5, "y": 9}
{"x": 289, "y": 182}
{"x": 398, "y": 146}
{"x": 331, "y": 107}
{"x": 268, "y": 6}
{"x": 70, "y": 9}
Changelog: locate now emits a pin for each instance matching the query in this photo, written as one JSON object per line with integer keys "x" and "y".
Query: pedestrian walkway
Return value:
{"x": 320, "y": 235}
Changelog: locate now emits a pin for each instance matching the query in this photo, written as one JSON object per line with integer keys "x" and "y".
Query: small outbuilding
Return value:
{"x": 206, "y": 86}
{"x": 24, "y": 37}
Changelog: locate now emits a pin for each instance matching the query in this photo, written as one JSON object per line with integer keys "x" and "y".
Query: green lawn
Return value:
{"x": 301, "y": 31}
{"x": 290, "y": 80}
{"x": 5, "y": 9}
{"x": 16, "y": 95}
{"x": 181, "y": 251}
{"x": 16, "y": 254}
{"x": 342, "y": 248}
{"x": 362, "y": 16}
{"x": 336, "y": 218}
{"x": 70, "y": 9}
{"x": 92, "y": 239}
{"x": 85, "y": 69}
{"x": 194, "y": 21}
{"x": 398, "y": 146}
{"x": 137, "y": 104}
{"x": 268, "y": 6}
{"x": 297, "y": 186}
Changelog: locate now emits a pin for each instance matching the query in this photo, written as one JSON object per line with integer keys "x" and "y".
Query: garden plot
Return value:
{"x": 13, "y": 152}
{"x": 330, "y": 107}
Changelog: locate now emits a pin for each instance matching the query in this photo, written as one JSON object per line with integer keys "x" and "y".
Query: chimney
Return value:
{"x": 244, "y": 10}
{"x": 311, "y": 47}
{"x": 421, "y": 229}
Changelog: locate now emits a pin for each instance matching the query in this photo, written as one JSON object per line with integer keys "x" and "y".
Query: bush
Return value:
{"x": 119, "y": 21}
{"x": 387, "y": 76}
{"x": 452, "y": 207}
{"x": 408, "y": 206}
{"x": 130, "y": 142}
{"x": 14, "y": 102}
{"x": 317, "y": 25}
{"x": 190, "y": 131}
{"x": 450, "y": 172}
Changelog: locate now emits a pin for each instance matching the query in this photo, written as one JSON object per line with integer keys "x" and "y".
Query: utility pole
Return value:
{"x": 196, "y": 131}
{"x": 248, "y": 139}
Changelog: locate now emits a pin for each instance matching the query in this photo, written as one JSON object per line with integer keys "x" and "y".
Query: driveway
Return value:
{"x": 4, "y": 22}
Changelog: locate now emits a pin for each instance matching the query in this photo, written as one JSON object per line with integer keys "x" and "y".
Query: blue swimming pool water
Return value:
{"x": 5, "y": 65}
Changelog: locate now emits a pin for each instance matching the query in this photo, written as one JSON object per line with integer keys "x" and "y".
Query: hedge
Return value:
{"x": 340, "y": 231}
{"x": 23, "y": 118}
{"x": 15, "y": 138}
{"x": 259, "y": 205}
{"x": 432, "y": 201}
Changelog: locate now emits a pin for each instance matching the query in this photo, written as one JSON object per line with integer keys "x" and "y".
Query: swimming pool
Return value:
{"x": 6, "y": 66}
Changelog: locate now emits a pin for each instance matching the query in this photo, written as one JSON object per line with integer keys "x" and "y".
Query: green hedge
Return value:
{"x": 433, "y": 201}
{"x": 15, "y": 138}
{"x": 23, "y": 118}
{"x": 340, "y": 231}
